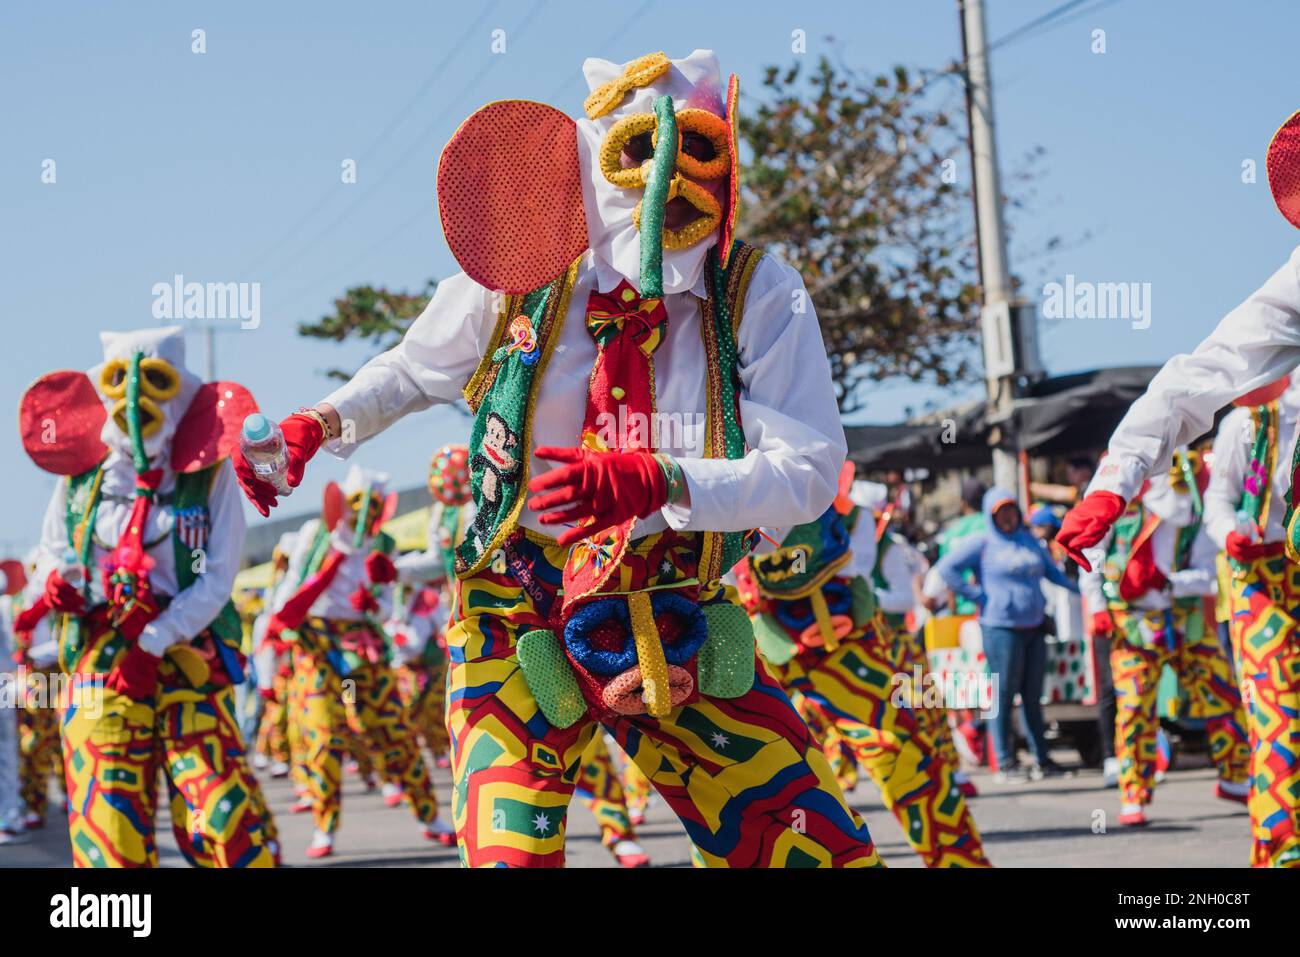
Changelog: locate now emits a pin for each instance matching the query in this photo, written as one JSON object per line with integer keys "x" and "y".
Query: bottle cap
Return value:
{"x": 69, "y": 556}
{"x": 257, "y": 428}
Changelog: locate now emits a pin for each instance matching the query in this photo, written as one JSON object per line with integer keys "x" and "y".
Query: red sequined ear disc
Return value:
{"x": 15, "y": 576}
{"x": 209, "y": 431}
{"x": 510, "y": 195}
{"x": 333, "y": 505}
{"x": 60, "y": 418}
{"x": 1283, "y": 164}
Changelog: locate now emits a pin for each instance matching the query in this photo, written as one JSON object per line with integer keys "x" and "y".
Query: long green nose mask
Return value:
{"x": 656, "y": 199}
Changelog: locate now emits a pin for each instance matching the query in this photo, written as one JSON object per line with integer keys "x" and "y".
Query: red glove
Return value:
{"x": 363, "y": 601}
{"x": 62, "y": 597}
{"x": 274, "y": 628}
{"x": 380, "y": 568}
{"x": 1087, "y": 523}
{"x": 30, "y": 616}
{"x": 303, "y": 437}
{"x": 1241, "y": 548}
{"x": 604, "y": 489}
{"x": 268, "y": 694}
{"x": 1102, "y": 623}
{"x": 136, "y": 675}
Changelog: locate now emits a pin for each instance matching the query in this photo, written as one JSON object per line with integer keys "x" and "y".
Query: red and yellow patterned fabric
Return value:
{"x": 1203, "y": 671}
{"x": 424, "y": 693}
{"x": 600, "y": 787}
{"x": 744, "y": 775}
{"x": 114, "y": 752}
{"x": 39, "y": 750}
{"x": 851, "y": 690}
{"x": 1265, "y": 606}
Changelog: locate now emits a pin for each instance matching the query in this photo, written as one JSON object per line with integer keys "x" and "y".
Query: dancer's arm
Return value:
{"x": 1255, "y": 344}
{"x": 790, "y": 417}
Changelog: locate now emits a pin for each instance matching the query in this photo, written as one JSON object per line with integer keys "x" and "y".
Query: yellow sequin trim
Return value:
{"x": 650, "y": 655}
{"x": 694, "y": 231}
{"x": 638, "y": 73}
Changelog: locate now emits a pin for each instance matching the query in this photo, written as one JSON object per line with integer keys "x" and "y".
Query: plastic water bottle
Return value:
{"x": 70, "y": 569}
{"x": 1246, "y": 526}
{"x": 263, "y": 446}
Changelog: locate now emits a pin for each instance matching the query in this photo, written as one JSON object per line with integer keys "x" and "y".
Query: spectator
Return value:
{"x": 1009, "y": 565}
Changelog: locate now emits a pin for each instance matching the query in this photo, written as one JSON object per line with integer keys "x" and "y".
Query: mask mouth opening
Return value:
{"x": 151, "y": 417}
{"x": 691, "y": 211}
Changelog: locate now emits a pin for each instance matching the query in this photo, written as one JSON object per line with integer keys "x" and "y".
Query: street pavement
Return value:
{"x": 1062, "y": 822}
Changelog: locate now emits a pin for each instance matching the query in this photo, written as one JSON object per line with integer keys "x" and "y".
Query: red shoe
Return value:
{"x": 442, "y": 761}
{"x": 637, "y": 819}
{"x": 630, "y": 854}
{"x": 1227, "y": 790}
{"x": 300, "y": 806}
{"x": 392, "y": 795}
{"x": 968, "y": 788}
{"x": 33, "y": 822}
{"x": 1133, "y": 817}
{"x": 322, "y": 845}
{"x": 440, "y": 831}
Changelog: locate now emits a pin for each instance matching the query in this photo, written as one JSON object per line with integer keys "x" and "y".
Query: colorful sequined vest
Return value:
{"x": 190, "y": 529}
{"x": 503, "y": 393}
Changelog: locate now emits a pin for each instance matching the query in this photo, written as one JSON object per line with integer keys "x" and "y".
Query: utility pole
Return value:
{"x": 1009, "y": 351}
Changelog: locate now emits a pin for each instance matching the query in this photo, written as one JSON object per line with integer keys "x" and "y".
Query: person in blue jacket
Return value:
{"x": 1009, "y": 565}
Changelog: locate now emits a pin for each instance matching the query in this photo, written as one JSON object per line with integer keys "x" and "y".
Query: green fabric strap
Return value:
{"x": 1121, "y": 545}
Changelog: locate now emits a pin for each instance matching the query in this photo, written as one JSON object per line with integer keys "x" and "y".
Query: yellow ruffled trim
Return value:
{"x": 638, "y": 73}
{"x": 694, "y": 231}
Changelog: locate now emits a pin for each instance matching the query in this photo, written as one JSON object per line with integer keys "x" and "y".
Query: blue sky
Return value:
{"x": 225, "y": 166}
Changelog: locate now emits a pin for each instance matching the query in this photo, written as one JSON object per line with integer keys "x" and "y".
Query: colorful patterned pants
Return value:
{"x": 932, "y": 719}
{"x": 637, "y": 790}
{"x": 744, "y": 774}
{"x": 366, "y": 704}
{"x": 1203, "y": 672}
{"x": 1265, "y": 608}
{"x": 424, "y": 691}
{"x": 600, "y": 787}
{"x": 39, "y": 752}
{"x": 113, "y": 750}
{"x": 852, "y": 691}
{"x": 273, "y": 730}
{"x": 843, "y": 762}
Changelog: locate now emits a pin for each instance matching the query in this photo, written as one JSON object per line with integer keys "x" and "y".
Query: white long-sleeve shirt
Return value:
{"x": 1255, "y": 344}
{"x": 1231, "y": 460}
{"x": 335, "y": 602}
{"x": 787, "y": 404}
{"x": 1175, "y": 513}
{"x": 191, "y": 610}
{"x": 899, "y": 566}
{"x": 427, "y": 566}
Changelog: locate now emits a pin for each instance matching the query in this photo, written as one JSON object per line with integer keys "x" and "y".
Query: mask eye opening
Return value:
{"x": 112, "y": 379}
{"x": 158, "y": 379}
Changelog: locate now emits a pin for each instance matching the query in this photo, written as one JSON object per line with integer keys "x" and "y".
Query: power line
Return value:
{"x": 407, "y": 155}
{"x": 612, "y": 38}
{"x": 331, "y": 191}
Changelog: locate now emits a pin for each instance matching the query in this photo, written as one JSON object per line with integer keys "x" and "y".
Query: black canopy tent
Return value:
{"x": 1057, "y": 415}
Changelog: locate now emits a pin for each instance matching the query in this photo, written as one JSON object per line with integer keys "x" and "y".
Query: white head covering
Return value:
{"x": 868, "y": 495}
{"x": 359, "y": 478}
{"x": 167, "y": 343}
{"x": 692, "y": 82}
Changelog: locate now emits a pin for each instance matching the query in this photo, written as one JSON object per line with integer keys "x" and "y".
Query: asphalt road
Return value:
{"x": 1066, "y": 822}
